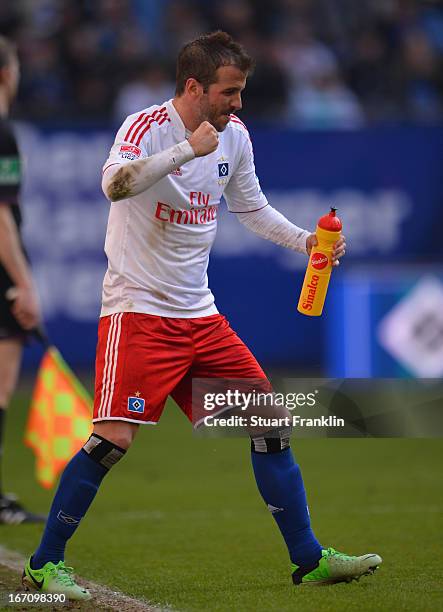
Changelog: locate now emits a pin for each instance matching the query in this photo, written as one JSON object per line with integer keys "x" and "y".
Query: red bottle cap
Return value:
{"x": 330, "y": 222}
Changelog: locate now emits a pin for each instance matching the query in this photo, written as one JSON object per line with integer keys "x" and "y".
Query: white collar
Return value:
{"x": 179, "y": 127}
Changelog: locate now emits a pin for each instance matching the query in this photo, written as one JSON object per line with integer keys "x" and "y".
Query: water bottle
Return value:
{"x": 318, "y": 271}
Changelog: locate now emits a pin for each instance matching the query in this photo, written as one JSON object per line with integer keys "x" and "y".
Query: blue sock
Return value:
{"x": 77, "y": 488}
{"x": 280, "y": 483}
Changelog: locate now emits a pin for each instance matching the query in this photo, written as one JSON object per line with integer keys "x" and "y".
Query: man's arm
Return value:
{"x": 246, "y": 200}
{"x": 270, "y": 224}
{"x": 25, "y": 306}
{"x": 121, "y": 181}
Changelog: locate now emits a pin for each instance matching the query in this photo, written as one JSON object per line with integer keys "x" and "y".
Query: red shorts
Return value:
{"x": 141, "y": 359}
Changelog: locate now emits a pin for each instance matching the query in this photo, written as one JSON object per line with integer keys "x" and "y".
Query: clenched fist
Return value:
{"x": 204, "y": 140}
{"x": 25, "y": 306}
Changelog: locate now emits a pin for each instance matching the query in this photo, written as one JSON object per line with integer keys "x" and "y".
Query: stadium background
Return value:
{"x": 346, "y": 109}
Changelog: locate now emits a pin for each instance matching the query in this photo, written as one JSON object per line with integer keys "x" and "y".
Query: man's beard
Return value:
{"x": 219, "y": 120}
{"x": 214, "y": 116}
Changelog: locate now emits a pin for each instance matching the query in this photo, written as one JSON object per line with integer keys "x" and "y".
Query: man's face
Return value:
{"x": 223, "y": 97}
{"x": 10, "y": 76}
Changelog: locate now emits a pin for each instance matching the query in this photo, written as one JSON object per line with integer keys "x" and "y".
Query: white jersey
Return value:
{"x": 158, "y": 242}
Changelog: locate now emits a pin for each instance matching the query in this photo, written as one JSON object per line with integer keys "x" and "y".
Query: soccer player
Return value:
{"x": 19, "y": 310}
{"x": 159, "y": 327}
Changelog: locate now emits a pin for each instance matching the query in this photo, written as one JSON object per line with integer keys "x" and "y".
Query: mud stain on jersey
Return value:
{"x": 159, "y": 295}
{"x": 121, "y": 185}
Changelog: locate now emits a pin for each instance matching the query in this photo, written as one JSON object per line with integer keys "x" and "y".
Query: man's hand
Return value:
{"x": 338, "y": 251}
{"x": 204, "y": 140}
{"x": 25, "y": 306}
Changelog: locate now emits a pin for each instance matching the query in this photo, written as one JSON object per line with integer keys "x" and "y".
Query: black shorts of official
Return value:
{"x": 9, "y": 326}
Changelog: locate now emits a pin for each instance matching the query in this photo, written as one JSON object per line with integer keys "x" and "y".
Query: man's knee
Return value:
{"x": 7, "y": 388}
{"x": 10, "y": 355}
{"x": 273, "y": 430}
{"x": 102, "y": 451}
{"x": 274, "y": 441}
{"x": 5, "y": 397}
{"x": 119, "y": 433}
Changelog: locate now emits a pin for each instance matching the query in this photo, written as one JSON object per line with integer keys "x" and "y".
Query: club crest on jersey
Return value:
{"x": 136, "y": 404}
{"x": 223, "y": 170}
{"x": 130, "y": 152}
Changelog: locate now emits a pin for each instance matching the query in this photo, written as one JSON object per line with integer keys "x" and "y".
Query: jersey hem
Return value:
{"x": 171, "y": 314}
{"x": 122, "y": 419}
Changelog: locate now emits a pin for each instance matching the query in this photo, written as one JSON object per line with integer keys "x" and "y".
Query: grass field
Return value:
{"x": 179, "y": 521}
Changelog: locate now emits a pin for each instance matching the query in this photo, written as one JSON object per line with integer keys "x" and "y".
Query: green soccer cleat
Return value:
{"x": 53, "y": 578}
{"x": 335, "y": 567}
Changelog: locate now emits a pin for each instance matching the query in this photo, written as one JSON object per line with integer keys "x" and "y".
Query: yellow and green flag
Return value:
{"x": 59, "y": 419}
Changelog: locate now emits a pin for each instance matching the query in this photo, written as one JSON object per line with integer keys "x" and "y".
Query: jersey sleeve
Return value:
{"x": 243, "y": 192}
{"x": 131, "y": 142}
{"x": 10, "y": 170}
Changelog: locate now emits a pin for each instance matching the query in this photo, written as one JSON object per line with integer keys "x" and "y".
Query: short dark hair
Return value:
{"x": 7, "y": 52}
{"x": 201, "y": 58}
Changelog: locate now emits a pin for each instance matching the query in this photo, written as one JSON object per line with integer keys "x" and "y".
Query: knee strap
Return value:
{"x": 274, "y": 441}
{"x": 103, "y": 451}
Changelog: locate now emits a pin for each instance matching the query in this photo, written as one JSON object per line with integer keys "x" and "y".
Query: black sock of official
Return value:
{"x": 2, "y": 427}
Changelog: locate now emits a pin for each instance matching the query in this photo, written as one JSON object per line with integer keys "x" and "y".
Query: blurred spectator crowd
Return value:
{"x": 320, "y": 63}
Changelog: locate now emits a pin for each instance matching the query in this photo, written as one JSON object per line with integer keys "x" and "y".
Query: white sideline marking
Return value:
{"x": 102, "y": 595}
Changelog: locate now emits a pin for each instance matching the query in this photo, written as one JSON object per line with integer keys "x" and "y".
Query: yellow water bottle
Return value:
{"x": 318, "y": 272}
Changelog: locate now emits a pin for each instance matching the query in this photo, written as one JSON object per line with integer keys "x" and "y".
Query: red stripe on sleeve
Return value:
{"x": 160, "y": 119}
{"x": 144, "y": 130}
{"x": 139, "y": 118}
{"x": 141, "y": 125}
{"x": 148, "y": 119}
